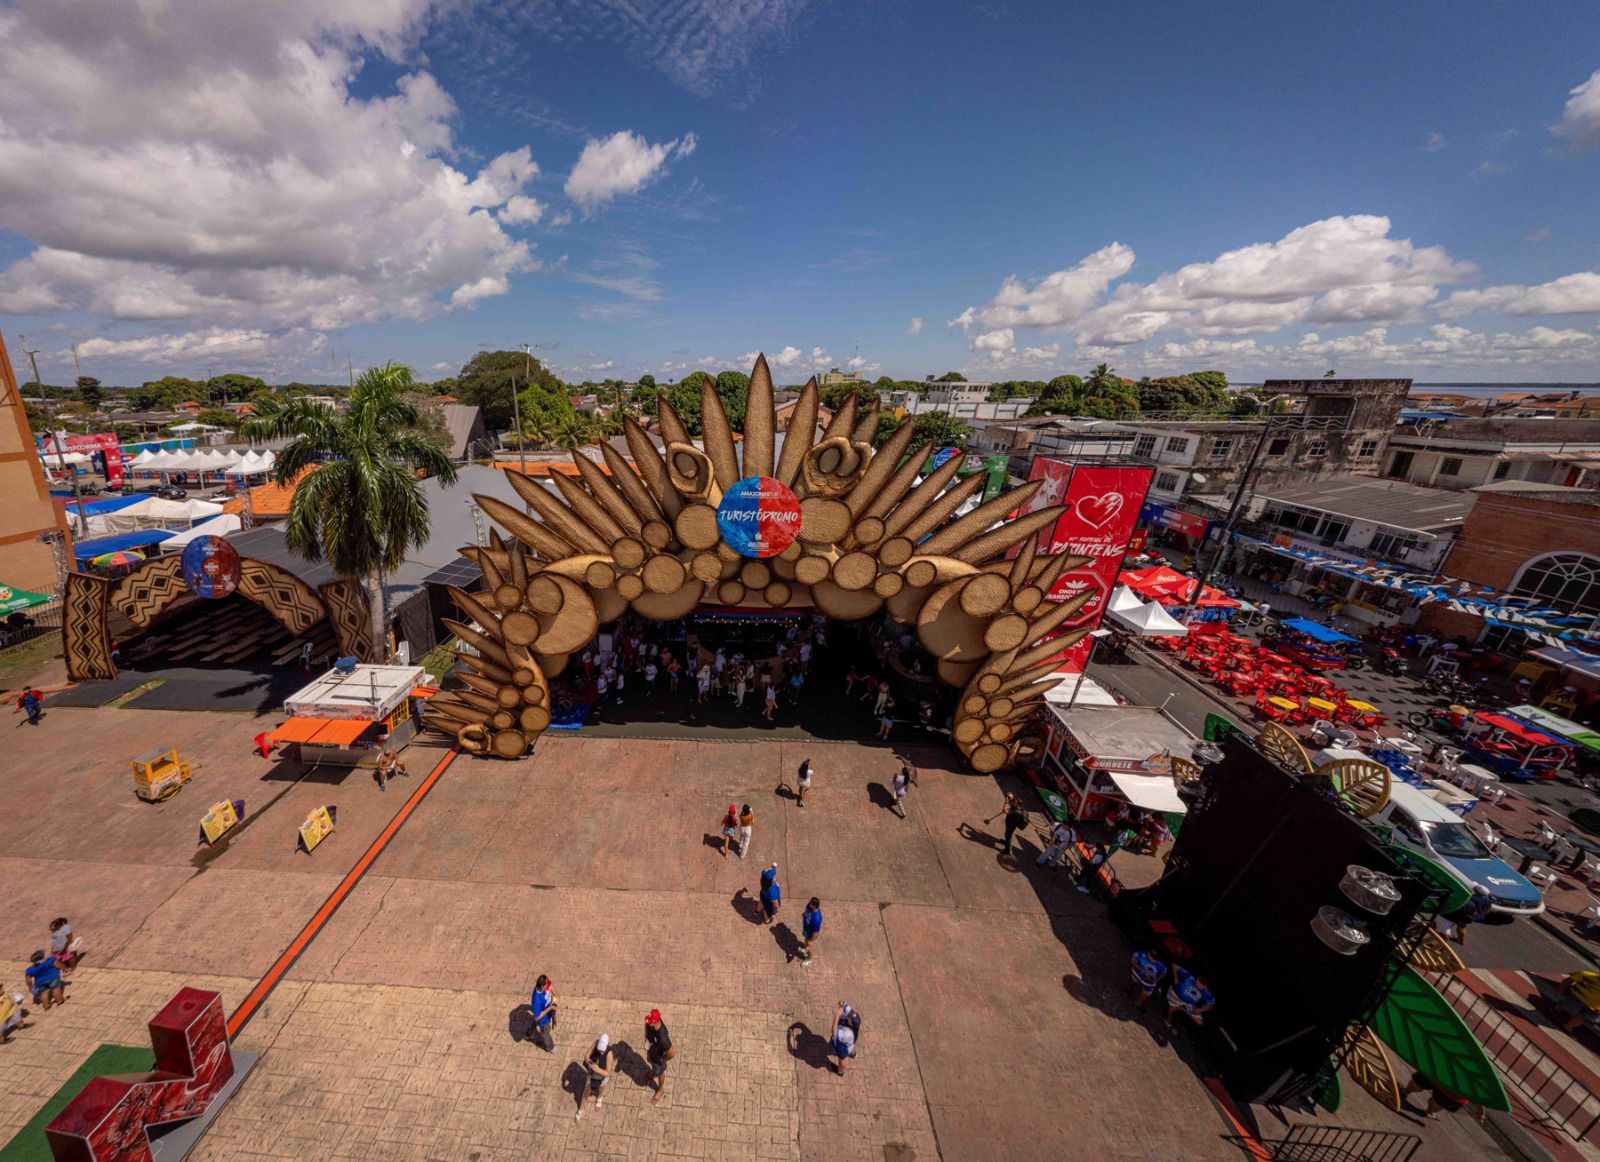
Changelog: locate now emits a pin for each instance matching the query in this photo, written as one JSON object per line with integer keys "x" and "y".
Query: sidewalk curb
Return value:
{"x": 1513, "y": 1139}
{"x": 1194, "y": 682}
{"x": 1583, "y": 949}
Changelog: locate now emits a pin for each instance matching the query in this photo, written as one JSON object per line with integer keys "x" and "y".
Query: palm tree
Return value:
{"x": 362, "y": 507}
{"x": 1101, "y": 380}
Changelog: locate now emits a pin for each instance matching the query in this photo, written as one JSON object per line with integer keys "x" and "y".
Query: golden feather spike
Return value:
{"x": 992, "y": 544}
{"x": 905, "y": 475}
{"x": 718, "y": 436}
{"x": 556, "y": 515}
{"x": 941, "y": 508}
{"x": 606, "y": 492}
{"x": 631, "y": 486}
{"x": 524, "y": 527}
{"x": 800, "y": 435}
{"x": 948, "y": 539}
{"x": 884, "y": 463}
{"x": 844, "y": 420}
{"x": 652, "y": 468}
{"x": 760, "y": 418}
{"x": 586, "y": 506}
{"x": 918, "y": 500}
{"x": 866, "y": 429}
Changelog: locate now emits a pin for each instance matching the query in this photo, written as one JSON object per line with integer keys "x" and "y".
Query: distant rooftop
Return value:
{"x": 1394, "y": 503}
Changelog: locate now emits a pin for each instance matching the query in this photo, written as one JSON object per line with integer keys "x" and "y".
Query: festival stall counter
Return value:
{"x": 350, "y": 716}
{"x": 1102, "y": 757}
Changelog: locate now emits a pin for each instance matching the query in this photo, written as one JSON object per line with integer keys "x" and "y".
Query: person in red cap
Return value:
{"x": 730, "y": 827}
{"x": 659, "y": 1051}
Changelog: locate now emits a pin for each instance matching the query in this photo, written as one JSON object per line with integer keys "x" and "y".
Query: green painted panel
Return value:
{"x": 1217, "y": 728}
{"x": 1427, "y": 1034}
{"x": 1055, "y": 806}
{"x": 1330, "y": 1095}
{"x": 1432, "y": 873}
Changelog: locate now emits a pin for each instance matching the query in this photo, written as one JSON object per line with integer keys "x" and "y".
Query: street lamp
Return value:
{"x": 1234, "y": 509}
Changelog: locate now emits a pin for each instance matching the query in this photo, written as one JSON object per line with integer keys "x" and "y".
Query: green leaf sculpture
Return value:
{"x": 1432, "y": 873}
{"x": 1426, "y": 1033}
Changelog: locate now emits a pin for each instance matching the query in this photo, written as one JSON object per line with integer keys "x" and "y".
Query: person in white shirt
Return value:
{"x": 1061, "y": 837}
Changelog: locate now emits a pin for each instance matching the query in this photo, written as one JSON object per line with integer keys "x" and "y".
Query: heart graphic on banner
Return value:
{"x": 1100, "y": 511}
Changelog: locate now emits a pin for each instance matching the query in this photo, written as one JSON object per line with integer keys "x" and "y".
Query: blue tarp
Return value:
{"x": 111, "y": 503}
{"x": 84, "y": 550}
{"x": 1316, "y": 631}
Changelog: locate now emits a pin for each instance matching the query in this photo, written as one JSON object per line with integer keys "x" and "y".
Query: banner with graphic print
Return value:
{"x": 1102, "y": 508}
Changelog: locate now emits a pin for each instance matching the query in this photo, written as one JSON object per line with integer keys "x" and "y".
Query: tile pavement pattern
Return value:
{"x": 996, "y": 1016}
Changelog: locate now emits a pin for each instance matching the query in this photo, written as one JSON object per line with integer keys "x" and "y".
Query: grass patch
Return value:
{"x": 29, "y": 1144}
{"x": 18, "y": 664}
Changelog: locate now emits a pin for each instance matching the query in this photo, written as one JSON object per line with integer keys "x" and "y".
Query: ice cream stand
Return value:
{"x": 1100, "y": 757}
{"x": 353, "y": 713}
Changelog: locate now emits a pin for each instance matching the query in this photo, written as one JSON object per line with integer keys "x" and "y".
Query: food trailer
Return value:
{"x": 348, "y": 717}
{"x": 1101, "y": 757}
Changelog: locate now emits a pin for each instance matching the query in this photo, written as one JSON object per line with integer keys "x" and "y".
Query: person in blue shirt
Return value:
{"x": 1148, "y": 972}
{"x": 846, "y": 1033}
{"x": 771, "y": 894}
{"x": 810, "y": 928}
{"x": 1190, "y": 994}
{"x": 44, "y": 978}
{"x": 543, "y": 1007}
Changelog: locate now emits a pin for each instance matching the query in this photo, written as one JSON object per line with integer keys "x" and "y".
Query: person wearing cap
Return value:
{"x": 543, "y": 1007}
{"x": 846, "y": 1030}
{"x": 659, "y": 1051}
{"x": 598, "y": 1065}
{"x": 810, "y": 928}
{"x": 730, "y": 827}
{"x": 771, "y": 894}
{"x": 747, "y": 827}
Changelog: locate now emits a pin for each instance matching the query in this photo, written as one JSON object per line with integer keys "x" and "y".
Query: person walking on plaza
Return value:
{"x": 598, "y": 1066}
{"x": 1061, "y": 837}
{"x": 810, "y": 928}
{"x": 543, "y": 1007}
{"x": 1016, "y": 817}
{"x": 659, "y": 1051}
{"x": 803, "y": 781}
{"x": 771, "y": 703}
{"x": 846, "y": 1033}
{"x": 703, "y": 680}
{"x": 730, "y": 827}
{"x": 905, "y": 778}
{"x": 62, "y": 946}
{"x": 747, "y": 827}
{"x": 31, "y": 704}
{"x": 741, "y": 683}
{"x": 883, "y": 701}
{"x": 1149, "y": 971}
{"x": 885, "y": 723}
{"x": 44, "y": 980}
{"x": 1188, "y": 993}
{"x": 771, "y": 895}
{"x": 1089, "y": 868}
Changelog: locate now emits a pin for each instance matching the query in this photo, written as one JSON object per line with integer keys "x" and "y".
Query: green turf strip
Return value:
{"x": 29, "y": 1144}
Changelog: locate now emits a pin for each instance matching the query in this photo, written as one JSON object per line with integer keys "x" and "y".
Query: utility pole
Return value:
{"x": 516, "y": 405}
{"x": 60, "y": 438}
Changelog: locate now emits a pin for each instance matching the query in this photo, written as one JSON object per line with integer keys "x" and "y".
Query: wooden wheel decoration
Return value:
{"x": 1283, "y": 748}
{"x": 1368, "y": 1065}
{"x": 1430, "y": 951}
{"x": 830, "y": 523}
{"x": 1361, "y": 784}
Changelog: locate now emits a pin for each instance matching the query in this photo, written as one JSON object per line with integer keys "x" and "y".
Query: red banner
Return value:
{"x": 105, "y": 442}
{"x": 1102, "y": 509}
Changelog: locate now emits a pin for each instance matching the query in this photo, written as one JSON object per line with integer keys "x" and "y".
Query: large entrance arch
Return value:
{"x": 825, "y": 522}
{"x": 152, "y": 586}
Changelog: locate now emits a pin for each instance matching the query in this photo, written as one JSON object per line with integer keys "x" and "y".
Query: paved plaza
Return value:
{"x": 996, "y": 1016}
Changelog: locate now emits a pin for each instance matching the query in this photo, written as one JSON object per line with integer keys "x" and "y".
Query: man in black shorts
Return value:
{"x": 598, "y": 1066}
{"x": 659, "y": 1051}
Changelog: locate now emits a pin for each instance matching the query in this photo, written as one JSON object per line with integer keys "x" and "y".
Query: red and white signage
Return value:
{"x": 1102, "y": 508}
{"x": 105, "y": 442}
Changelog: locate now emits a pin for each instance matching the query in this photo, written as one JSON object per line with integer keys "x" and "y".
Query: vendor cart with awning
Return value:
{"x": 1102, "y": 757}
{"x": 351, "y": 715}
{"x": 1515, "y": 750}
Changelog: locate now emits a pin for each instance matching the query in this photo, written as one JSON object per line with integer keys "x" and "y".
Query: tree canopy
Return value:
{"x": 489, "y": 377}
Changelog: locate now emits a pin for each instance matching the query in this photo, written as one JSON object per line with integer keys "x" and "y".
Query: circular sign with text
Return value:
{"x": 759, "y": 517}
{"x": 210, "y": 567}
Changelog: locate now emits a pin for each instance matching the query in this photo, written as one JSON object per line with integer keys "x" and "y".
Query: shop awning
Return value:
{"x": 12, "y": 600}
{"x": 1575, "y": 660}
{"x": 321, "y": 731}
{"x": 1518, "y": 730}
{"x": 1565, "y": 727}
{"x": 1156, "y": 792}
{"x": 1316, "y": 631}
{"x": 87, "y": 550}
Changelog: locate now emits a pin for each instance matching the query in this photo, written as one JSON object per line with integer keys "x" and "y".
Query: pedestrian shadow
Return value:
{"x": 714, "y": 842}
{"x": 972, "y": 835}
{"x": 631, "y": 1065}
{"x": 788, "y": 942}
{"x": 785, "y": 791}
{"x": 806, "y": 1046}
{"x": 573, "y": 1078}
{"x": 519, "y": 1023}
{"x": 880, "y": 796}
{"x": 748, "y": 907}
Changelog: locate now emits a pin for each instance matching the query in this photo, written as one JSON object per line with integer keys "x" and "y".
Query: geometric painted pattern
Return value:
{"x": 87, "y": 643}
{"x": 289, "y": 599}
{"x": 149, "y": 589}
{"x": 351, "y": 614}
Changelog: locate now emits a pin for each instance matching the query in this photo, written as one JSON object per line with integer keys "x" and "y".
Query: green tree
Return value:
{"x": 1062, "y": 396}
{"x": 952, "y": 377}
{"x": 684, "y": 396}
{"x": 489, "y": 378}
{"x": 430, "y": 425}
{"x": 162, "y": 395}
{"x": 218, "y": 418}
{"x": 1215, "y": 382}
{"x": 944, "y": 429}
{"x": 231, "y": 388}
{"x": 90, "y": 391}
{"x": 647, "y": 381}
{"x": 733, "y": 389}
{"x": 363, "y": 507}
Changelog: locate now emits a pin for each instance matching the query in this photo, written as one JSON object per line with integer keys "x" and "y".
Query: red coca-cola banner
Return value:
{"x": 1102, "y": 508}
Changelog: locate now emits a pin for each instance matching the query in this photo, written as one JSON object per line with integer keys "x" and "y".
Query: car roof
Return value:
{"x": 1420, "y": 804}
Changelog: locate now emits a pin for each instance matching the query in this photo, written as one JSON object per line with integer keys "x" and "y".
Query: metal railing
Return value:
{"x": 1313, "y": 1143}
{"x": 34, "y": 622}
{"x": 1556, "y": 1096}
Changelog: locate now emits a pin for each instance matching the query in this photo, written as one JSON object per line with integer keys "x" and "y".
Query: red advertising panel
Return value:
{"x": 105, "y": 442}
{"x": 1102, "y": 508}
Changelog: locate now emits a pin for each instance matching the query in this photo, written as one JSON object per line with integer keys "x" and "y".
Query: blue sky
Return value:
{"x": 1012, "y": 189}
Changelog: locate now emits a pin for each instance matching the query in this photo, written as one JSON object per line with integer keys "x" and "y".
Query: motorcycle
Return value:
{"x": 1440, "y": 720}
{"x": 1391, "y": 661}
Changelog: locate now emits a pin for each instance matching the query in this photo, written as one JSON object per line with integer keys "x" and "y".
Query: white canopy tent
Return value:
{"x": 1148, "y": 620}
{"x": 1122, "y": 599}
{"x": 153, "y": 513}
{"x": 228, "y": 522}
{"x": 1155, "y": 792}
{"x": 1092, "y": 694}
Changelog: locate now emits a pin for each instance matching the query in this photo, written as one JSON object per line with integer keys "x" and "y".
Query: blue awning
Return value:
{"x": 109, "y": 503}
{"x": 1316, "y": 631}
{"x": 85, "y": 550}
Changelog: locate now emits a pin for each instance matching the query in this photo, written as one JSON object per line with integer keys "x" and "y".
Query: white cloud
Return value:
{"x": 818, "y": 355}
{"x": 1045, "y": 354}
{"x": 603, "y": 365}
{"x": 1572, "y": 294}
{"x": 233, "y": 344}
{"x": 561, "y": 218}
{"x": 443, "y": 367}
{"x": 999, "y": 344}
{"x": 521, "y": 210}
{"x": 1436, "y": 141}
{"x": 916, "y": 325}
{"x": 1342, "y": 269}
{"x": 1580, "y": 118}
{"x": 623, "y": 163}
{"x": 787, "y": 358}
{"x": 230, "y": 177}
{"x": 1491, "y": 168}
{"x": 711, "y": 361}
{"x": 1542, "y": 234}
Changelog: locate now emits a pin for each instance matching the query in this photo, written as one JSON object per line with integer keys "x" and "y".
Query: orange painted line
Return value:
{"x": 263, "y": 987}
{"x": 1248, "y": 1140}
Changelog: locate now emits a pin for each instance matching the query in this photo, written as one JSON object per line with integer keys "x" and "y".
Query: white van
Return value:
{"x": 1429, "y": 828}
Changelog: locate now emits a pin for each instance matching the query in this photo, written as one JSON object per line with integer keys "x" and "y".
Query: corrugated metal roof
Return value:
{"x": 1394, "y": 503}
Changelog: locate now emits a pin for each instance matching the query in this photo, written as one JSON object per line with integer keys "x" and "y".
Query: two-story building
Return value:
{"x": 1467, "y": 453}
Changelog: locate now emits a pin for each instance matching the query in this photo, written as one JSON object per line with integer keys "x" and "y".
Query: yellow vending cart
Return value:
{"x": 160, "y": 774}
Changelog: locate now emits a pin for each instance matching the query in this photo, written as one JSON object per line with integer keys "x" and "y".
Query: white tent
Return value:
{"x": 1123, "y": 598}
{"x": 56, "y": 459}
{"x": 1148, "y": 620}
{"x": 1155, "y": 792}
{"x": 142, "y": 459}
{"x": 159, "y": 461}
{"x": 153, "y": 513}
{"x": 254, "y": 464}
{"x": 228, "y": 522}
{"x": 1092, "y": 694}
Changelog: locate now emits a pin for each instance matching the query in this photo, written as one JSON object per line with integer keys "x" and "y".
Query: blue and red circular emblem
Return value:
{"x": 759, "y": 517}
{"x": 210, "y": 567}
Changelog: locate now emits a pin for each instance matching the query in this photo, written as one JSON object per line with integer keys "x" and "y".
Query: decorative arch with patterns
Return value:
{"x": 653, "y": 536}
{"x": 151, "y": 587}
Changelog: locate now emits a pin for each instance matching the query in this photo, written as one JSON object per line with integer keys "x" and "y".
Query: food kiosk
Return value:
{"x": 1100, "y": 757}
{"x": 350, "y": 715}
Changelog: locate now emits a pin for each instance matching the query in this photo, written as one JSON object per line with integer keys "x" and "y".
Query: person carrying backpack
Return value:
{"x": 846, "y": 1035}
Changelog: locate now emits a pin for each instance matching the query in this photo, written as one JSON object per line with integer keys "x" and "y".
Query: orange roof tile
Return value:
{"x": 268, "y": 500}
